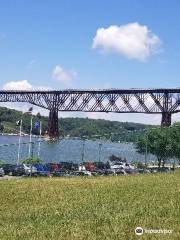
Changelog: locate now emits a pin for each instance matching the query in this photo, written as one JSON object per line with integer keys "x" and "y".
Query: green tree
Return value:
{"x": 175, "y": 141}
{"x": 75, "y": 127}
{"x": 1, "y": 127}
{"x": 32, "y": 161}
{"x": 158, "y": 142}
{"x": 38, "y": 115}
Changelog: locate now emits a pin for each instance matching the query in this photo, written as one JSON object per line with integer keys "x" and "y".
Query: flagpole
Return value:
{"x": 19, "y": 147}
{"x": 39, "y": 146}
{"x": 30, "y": 138}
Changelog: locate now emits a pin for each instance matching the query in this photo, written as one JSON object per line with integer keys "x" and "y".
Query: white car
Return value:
{"x": 28, "y": 169}
{"x": 120, "y": 165}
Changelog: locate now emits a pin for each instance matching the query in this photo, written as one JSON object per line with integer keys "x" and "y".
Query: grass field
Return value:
{"x": 90, "y": 208}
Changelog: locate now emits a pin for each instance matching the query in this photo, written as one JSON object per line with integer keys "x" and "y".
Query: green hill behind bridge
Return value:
{"x": 73, "y": 127}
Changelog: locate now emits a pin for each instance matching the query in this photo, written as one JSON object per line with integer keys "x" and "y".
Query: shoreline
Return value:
{"x": 15, "y": 134}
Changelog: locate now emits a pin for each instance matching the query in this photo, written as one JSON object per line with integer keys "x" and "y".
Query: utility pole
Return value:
{"x": 146, "y": 154}
{"x": 100, "y": 146}
{"x": 82, "y": 154}
{"x": 30, "y": 136}
{"x": 32, "y": 153}
{"x": 19, "y": 145}
{"x": 39, "y": 145}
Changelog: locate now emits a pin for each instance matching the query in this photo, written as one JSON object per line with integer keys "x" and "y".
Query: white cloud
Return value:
{"x": 23, "y": 85}
{"x": 63, "y": 76}
{"x": 23, "y": 107}
{"x": 132, "y": 40}
{"x": 18, "y": 85}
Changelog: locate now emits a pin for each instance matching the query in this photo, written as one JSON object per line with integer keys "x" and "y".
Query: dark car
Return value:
{"x": 131, "y": 171}
{"x": 52, "y": 167}
{"x": 8, "y": 168}
{"x": 141, "y": 170}
{"x": 68, "y": 166}
{"x": 60, "y": 174}
{"x": 164, "y": 169}
{"x": 120, "y": 171}
{"x": 18, "y": 170}
{"x": 108, "y": 172}
{"x": 80, "y": 174}
{"x": 97, "y": 173}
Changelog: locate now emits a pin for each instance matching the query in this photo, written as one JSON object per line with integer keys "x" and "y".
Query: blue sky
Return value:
{"x": 49, "y": 44}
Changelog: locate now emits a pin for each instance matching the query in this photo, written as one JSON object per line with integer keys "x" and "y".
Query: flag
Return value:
{"x": 29, "y": 112}
{"x": 37, "y": 124}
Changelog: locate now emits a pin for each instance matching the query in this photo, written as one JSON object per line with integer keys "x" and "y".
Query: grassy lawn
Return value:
{"x": 90, "y": 208}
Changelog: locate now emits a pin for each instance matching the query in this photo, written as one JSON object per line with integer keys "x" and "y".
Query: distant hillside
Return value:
{"x": 73, "y": 127}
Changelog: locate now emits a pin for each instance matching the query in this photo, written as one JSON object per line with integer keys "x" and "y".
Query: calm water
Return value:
{"x": 67, "y": 150}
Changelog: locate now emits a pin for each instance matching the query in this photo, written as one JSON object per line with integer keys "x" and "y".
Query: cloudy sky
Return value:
{"x": 63, "y": 44}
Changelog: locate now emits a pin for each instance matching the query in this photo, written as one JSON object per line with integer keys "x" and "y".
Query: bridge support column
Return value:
{"x": 53, "y": 131}
{"x": 166, "y": 119}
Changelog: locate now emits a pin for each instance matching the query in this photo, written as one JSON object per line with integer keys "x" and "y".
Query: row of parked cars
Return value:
{"x": 24, "y": 170}
{"x": 69, "y": 169}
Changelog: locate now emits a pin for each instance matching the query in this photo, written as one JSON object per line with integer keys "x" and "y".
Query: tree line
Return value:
{"x": 73, "y": 127}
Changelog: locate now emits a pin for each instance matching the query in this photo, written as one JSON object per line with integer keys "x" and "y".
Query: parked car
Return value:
{"x": 62, "y": 166}
{"x": 131, "y": 171}
{"x": 41, "y": 170}
{"x": 60, "y": 174}
{"x": 89, "y": 166}
{"x": 1, "y": 172}
{"x": 68, "y": 166}
{"x": 24, "y": 169}
{"x": 165, "y": 169}
{"x": 120, "y": 171}
{"x": 18, "y": 170}
{"x": 109, "y": 172}
{"x": 119, "y": 165}
{"x": 80, "y": 173}
{"x": 52, "y": 167}
{"x": 97, "y": 172}
{"x": 29, "y": 169}
{"x": 8, "y": 168}
{"x": 101, "y": 165}
{"x": 142, "y": 170}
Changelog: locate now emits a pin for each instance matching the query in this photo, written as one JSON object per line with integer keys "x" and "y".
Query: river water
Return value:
{"x": 67, "y": 150}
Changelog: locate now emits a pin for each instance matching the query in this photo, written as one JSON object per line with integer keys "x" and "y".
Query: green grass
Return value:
{"x": 90, "y": 208}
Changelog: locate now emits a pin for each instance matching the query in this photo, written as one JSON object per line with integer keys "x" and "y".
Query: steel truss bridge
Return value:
{"x": 150, "y": 101}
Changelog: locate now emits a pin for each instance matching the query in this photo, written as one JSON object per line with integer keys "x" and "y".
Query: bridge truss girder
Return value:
{"x": 149, "y": 101}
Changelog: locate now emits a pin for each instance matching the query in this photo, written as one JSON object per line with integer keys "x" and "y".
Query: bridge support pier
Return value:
{"x": 53, "y": 131}
{"x": 166, "y": 119}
